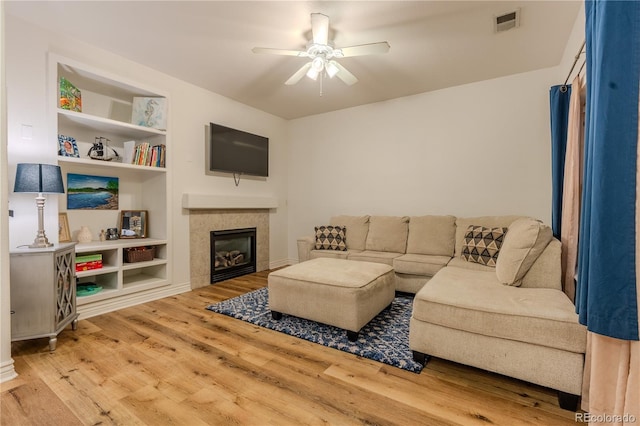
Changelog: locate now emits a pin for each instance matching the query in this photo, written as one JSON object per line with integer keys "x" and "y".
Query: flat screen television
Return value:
{"x": 236, "y": 151}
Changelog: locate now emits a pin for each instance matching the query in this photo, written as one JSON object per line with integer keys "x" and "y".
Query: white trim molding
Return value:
{"x": 7, "y": 372}
{"x": 102, "y": 307}
{"x": 212, "y": 202}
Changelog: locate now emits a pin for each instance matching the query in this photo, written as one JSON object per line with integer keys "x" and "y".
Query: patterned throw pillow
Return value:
{"x": 331, "y": 238}
{"x": 482, "y": 245}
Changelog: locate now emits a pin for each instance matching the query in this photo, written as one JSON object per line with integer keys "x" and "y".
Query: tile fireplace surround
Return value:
{"x": 202, "y": 222}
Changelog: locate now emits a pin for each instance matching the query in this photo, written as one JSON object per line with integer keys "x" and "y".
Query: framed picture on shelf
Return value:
{"x": 133, "y": 223}
{"x": 67, "y": 146}
{"x": 112, "y": 233}
{"x": 64, "y": 236}
{"x": 70, "y": 96}
{"x": 149, "y": 112}
{"x": 88, "y": 192}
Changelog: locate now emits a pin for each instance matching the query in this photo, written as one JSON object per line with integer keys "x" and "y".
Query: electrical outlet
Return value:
{"x": 10, "y": 213}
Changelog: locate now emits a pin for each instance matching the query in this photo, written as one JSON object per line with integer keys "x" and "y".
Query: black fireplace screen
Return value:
{"x": 233, "y": 253}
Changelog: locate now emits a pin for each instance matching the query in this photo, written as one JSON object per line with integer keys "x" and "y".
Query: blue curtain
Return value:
{"x": 559, "y": 97}
{"x": 606, "y": 293}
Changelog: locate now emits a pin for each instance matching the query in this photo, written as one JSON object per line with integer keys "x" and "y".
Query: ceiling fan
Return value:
{"x": 323, "y": 54}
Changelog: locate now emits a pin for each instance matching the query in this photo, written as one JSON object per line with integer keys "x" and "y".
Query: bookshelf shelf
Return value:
{"x": 110, "y": 165}
{"x": 106, "y": 125}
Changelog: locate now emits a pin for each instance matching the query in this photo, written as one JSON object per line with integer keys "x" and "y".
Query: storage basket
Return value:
{"x": 139, "y": 254}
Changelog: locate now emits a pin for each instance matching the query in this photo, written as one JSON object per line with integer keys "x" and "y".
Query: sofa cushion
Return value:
{"x": 333, "y": 254}
{"x": 433, "y": 235}
{"x": 462, "y": 224}
{"x": 475, "y": 301}
{"x": 356, "y": 229}
{"x": 482, "y": 244}
{"x": 523, "y": 244}
{"x": 419, "y": 264}
{"x": 388, "y": 233}
{"x": 459, "y": 262}
{"x": 330, "y": 238}
{"x": 385, "y": 257}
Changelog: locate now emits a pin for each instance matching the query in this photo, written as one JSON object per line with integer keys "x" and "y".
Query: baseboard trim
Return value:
{"x": 104, "y": 306}
{"x": 7, "y": 372}
{"x": 280, "y": 263}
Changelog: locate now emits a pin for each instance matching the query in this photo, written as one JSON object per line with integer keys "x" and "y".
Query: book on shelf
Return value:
{"x": 88, "y": 266}
{"x": 88, "y": 257}
{"x": 88, "y": 262}
{"x": 129, "y": 151}
{"x": 145, "y": 154}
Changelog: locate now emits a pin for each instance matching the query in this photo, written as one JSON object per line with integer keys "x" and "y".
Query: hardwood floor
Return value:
{"x": 173, "y": 362}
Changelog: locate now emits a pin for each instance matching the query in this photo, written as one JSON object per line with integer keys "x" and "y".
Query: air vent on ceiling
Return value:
{"x": 506, "y": 21}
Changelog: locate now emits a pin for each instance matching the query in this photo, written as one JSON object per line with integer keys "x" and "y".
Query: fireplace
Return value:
{"x": 233, "y": 253}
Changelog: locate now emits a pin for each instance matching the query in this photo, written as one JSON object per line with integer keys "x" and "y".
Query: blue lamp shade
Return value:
{"x": 38, "y": 178}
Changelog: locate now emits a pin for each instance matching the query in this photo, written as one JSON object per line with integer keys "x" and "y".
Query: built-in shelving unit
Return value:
{"x": 106, "y": 112}
{"x": 117, "y": 277}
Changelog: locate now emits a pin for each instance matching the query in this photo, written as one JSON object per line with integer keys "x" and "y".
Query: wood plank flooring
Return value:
{"x": 172, "y": 362}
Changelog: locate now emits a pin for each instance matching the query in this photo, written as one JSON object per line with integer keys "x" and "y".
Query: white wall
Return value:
{"x": 191, "y": 108}
{"x": 477, "y": 149}
{"x": 576, "y": 38}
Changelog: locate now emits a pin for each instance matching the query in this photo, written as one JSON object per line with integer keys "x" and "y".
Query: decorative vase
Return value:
{"x": 84, "y": 236}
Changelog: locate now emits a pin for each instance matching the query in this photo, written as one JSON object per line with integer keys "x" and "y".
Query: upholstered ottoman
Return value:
{"x": 343, "y": 293}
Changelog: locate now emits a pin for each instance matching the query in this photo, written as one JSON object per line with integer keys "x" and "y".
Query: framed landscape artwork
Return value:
{"x": 87, "y": 192}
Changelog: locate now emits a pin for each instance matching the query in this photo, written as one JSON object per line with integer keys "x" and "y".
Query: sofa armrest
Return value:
{"x": 546, "y": 271}
{"x": 305, "y": 245}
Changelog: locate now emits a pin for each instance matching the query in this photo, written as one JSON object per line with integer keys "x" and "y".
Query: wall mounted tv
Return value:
{"x": 235, "y": 151}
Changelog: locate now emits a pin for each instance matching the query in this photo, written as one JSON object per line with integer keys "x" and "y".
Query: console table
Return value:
{"x": 43, "y": 292}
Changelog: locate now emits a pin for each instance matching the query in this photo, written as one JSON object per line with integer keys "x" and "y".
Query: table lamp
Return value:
{"x": 39, "y": 179}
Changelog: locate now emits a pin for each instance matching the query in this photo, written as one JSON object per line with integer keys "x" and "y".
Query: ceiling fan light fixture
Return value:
{"x": 317, "y": 65}
{"x": 313, "y": 73}
{"x": 332, "y": 69}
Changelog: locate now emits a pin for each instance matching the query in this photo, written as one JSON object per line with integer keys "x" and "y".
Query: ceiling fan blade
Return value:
{"x": 284, "y": 52}
{"x": 320, "y": 28}
{"x": 363, "y": 49}
{"x": 298, "y": 75}
{"x": 344, "y": 75}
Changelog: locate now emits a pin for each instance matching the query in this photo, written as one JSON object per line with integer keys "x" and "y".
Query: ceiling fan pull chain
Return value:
{"x": 321, "y": 80}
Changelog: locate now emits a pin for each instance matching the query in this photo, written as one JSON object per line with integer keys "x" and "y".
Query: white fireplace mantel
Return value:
{"x": 212, "y": 202}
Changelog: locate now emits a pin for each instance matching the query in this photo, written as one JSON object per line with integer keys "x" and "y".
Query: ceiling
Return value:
{"x": 434, "y": 44}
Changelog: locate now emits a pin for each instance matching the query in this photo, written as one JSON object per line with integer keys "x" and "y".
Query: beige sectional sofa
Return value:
{"x": 504, "y": 312}
{"x": 416, "y": 247}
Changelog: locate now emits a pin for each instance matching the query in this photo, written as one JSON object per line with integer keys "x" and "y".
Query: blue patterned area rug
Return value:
{"x": 384, "y": 339}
